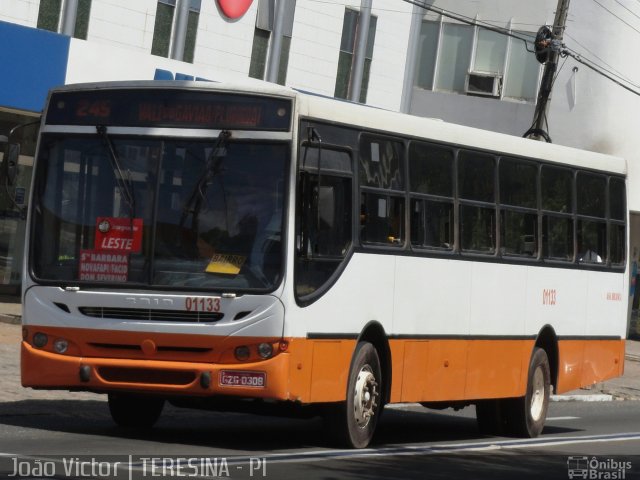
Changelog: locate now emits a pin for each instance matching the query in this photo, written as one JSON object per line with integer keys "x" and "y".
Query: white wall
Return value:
{"x": 89, "y": 62}
{"x": 315, "y": 45}
{"x": 389, "y": 54}
{"x": 20, "y": 12}
{"x": 224, "y": 44}
{"x": 123, "y": 22}
{"x": 315, "y": 48}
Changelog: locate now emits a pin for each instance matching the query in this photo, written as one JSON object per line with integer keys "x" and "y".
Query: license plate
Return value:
{"x": 233, "y": 378}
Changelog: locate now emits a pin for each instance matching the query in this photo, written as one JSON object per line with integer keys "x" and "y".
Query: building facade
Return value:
{"x": 434, "y": 58}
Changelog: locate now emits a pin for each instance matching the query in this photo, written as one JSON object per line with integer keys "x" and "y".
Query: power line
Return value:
{"x": 627, "y": 9}
{"x": 470, "y": 21}
{"x": 622, "y": 20}
{"x": 587, "y": 63}
{"x": 593, "y": 54}
{"x": 611, "y": 70}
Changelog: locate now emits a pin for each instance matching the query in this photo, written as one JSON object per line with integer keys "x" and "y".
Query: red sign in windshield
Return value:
{"x": 118, "y": 234}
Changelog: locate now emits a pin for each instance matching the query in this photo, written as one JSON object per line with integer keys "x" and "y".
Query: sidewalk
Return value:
{"x": 626, "y": 387}
{"x": 10, "y": 312}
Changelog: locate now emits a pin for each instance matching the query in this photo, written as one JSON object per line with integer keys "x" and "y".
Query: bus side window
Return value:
{"x": 477, "y": 211}
{"x": 617, "y": 231}
{"x": 381, "y": 168}
{"x": 431, "y": 195}
{"x": 324, "y": 216}
{"x": 592, "y": 226}
{"x": 329, "y": 223}
{"x": 518, "y": 180}
{"x": 556, "y": 185}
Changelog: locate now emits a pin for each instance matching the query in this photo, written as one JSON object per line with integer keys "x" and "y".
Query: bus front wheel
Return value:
{"x": 352, "y": 423}
{"x": 526, "y": 415}
{"x": 135, "y": 411}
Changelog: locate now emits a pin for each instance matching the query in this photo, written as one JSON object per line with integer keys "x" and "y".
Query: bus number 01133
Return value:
{"x": 202, "y": 304}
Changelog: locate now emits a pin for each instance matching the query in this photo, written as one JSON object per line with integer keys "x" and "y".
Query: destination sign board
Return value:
{"x": 169, "y": 108}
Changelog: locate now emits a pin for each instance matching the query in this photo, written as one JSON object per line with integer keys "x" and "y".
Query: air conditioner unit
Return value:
{"x": 483, "y": 83}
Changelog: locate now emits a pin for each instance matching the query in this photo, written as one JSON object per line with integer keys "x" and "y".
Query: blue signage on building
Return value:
{"x": 33, "y": 61}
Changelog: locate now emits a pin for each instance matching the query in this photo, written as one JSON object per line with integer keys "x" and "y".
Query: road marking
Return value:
{"x": 551, "y": 419}
{"x": 321, "y": 455}
{"x": 439, "y": 449}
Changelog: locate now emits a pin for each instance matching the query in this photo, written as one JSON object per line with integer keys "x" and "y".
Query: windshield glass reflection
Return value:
{"x": 203, "y": 217}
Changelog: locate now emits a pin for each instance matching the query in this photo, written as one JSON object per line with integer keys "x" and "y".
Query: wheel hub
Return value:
{"x": 537, "y": 395}
{"x": 365, "y": 400}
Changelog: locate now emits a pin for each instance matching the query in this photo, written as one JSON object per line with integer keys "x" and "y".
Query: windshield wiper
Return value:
{"x": 124, "y": 184}
{"x": 211, "y": 170}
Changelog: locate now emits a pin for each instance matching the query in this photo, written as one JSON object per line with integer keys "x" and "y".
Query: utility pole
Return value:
{"x": 553, "y": 44}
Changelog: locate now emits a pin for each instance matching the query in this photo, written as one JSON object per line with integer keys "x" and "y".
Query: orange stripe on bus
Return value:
{"x": 430, "y": 370}
{"x": 585, "y": 362}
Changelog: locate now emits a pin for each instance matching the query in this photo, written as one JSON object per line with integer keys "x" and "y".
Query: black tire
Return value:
{"x": 526, "y": 415}
{"x": 135, "y": 411}
{"x": 353, "y": 422}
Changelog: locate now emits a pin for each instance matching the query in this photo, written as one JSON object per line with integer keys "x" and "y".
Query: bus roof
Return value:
{"x": 344, "y": 112}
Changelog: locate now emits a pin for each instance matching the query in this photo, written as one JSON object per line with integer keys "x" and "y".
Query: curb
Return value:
{"x": 597, "y": 397}
{"x": 10, "y": 319}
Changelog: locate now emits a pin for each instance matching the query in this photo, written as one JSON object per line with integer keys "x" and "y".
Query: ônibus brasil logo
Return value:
{"x": 597, "y": 469}
{"x": 234, "y": 8}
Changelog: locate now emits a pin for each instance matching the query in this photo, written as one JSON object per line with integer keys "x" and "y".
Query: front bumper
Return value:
{"x": 47, "y": 370}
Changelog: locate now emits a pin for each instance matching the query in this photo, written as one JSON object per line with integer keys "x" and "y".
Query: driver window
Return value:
{"x": 324, "y": 217}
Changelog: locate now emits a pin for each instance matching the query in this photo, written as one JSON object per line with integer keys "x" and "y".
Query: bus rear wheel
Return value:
{"x": 526, "y": 415}
{"x": 352, "y": 423}
{"x": 135, "y": 411}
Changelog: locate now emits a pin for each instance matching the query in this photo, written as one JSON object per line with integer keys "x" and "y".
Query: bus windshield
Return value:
{"x": 159, "y": 212}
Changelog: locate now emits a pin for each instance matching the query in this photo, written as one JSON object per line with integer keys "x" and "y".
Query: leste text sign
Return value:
{"x": 122, "y": 235}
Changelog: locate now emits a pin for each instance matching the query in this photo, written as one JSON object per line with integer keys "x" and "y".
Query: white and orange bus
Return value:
{"x": 207, "y": 245}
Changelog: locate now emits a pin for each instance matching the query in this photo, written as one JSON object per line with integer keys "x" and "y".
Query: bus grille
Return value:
{"x": 146, "y": 375}
{"x": 150, "y": 314}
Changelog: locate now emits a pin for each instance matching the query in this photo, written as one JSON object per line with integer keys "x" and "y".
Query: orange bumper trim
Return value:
{"x": 41, "y": 369}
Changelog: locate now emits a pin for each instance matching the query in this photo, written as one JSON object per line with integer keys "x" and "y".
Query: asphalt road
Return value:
{"x": 411, "y": 443}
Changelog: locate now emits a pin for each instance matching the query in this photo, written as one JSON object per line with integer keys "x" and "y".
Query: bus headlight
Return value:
{"x": 40, "y": 339}
{"x": 60, "y": 345}
{"x": 265, "y": 350}
{"x": 242, "y": 353}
